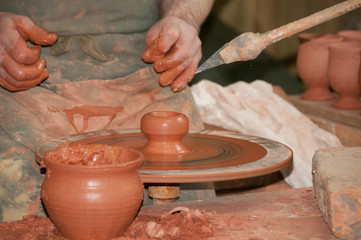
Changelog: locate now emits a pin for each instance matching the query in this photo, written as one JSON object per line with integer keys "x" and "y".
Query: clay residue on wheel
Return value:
{"x": 89, "y": 155}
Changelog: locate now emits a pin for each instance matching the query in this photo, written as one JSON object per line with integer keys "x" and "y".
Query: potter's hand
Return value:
{"x": 20, "y": 65}
{"x": 174, "y": 47}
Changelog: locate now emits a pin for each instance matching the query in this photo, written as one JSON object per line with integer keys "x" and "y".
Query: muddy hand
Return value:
{"x": 175, "y": 49}
{"x": 20, "y": 65}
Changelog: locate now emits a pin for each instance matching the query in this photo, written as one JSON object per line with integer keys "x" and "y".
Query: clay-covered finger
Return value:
{"x": 7, "y": 82}
{"x": 23, "y": 72}
{"x": 171, "y": 60}
{"x": 167, "y": 77}
{"x": 21, "y": 53}
{"x": 30, "y": 31}
{"x": 176, "y": 55}
{"x": 152, "y": 53}
{"x": 184, "y": 78}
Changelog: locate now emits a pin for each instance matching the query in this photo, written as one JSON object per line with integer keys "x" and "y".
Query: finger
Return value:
{"x": 21, "y": 53}
{"x": 168, "y": 61}
{"x": 183, "y": 79}
{"x": 152, "y": 53}
{"x": 30, "y": 31}
{"x": 187, "y": 75}
{"x": 167, "y": 77}
{"x": 23, "y": 72}
{"x": 179, "y": 53}
{"x": 152, "y": 34}
{"x": 11, "y": 84}
{"x": 169, "y": 36}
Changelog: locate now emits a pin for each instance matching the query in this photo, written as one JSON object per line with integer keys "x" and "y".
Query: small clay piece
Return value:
{"x": 92, "y": 191}
{"x": 350, "y": 35}
{"x": 164, "y": 130}
{"x": 343, "y": 73}
{"x": 312, "y": 63}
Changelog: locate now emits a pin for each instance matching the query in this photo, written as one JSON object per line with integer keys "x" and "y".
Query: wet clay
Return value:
{"x": 164, "y": 130}
{"x": 164, "y": 63}
{"x": 152, "y": 52}
{"x": 90, "y": 111}
{"x": 90, "y": 155}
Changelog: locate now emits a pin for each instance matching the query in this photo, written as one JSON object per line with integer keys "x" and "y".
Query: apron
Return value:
{"x": 83, "y": 93}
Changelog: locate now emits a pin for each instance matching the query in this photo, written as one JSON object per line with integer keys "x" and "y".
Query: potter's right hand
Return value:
{"x": 20, "y": 65}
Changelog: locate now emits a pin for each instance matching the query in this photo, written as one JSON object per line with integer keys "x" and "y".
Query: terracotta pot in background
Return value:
{"x": 343, "y": 73}
{"x": 92, "y": 202}
{"x": 312, "y": 62}
{"x": 350, "y": 35}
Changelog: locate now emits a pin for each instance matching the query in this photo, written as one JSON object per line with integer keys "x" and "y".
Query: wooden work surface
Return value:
{"x": 345, "y": 124}
{"x": 287, "y": 214}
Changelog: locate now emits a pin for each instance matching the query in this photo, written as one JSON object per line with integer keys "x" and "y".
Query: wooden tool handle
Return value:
{"x": 310, "y": 21}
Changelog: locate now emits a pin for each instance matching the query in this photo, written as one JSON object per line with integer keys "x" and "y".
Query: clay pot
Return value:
{"x": 164, "y": 130}
{"x": 312, "y": 62}
{"x": 343, "y": 72}
{"x": 92, "y": 201}
{"x": 350, "y": 35}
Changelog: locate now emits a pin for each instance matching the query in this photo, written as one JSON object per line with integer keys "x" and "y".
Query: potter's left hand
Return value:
{"x": 174, "y": 47}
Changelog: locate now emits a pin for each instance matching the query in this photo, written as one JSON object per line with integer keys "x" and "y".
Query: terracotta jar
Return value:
{"x": 312, "y": 62}
{"x": 95, "y": 199}
{"x": 164, "y": 130}
{"x": 343, "y": 72}
{"x": 350, "y": 35}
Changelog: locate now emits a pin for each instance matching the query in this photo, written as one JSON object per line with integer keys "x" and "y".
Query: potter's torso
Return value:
{"x": 123, "y": 84}
{"x": 71, "y": 17}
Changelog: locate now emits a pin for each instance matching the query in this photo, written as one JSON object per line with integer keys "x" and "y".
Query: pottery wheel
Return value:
{"x": 212, "y": 155}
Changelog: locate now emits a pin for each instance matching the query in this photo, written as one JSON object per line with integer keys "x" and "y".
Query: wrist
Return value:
{"x": 193, "y": 12}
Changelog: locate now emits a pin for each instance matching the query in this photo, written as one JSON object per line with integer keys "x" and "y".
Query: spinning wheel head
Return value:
{"x": 172, "y": 155}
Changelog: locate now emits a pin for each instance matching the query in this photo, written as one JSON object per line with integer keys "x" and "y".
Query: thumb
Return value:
{"x": 30, "y": 31}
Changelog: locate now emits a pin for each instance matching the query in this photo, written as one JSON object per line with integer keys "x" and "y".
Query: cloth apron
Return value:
{"x": 81, "y": 95}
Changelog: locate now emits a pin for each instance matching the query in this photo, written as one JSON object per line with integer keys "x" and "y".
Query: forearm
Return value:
{"x": 193, "y": 12}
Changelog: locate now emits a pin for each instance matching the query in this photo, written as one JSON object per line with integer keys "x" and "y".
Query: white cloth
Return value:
{"x": 254, "y": 109}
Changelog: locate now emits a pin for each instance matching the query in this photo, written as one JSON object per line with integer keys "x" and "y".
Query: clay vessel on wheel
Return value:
{"x": 87, "y": 197}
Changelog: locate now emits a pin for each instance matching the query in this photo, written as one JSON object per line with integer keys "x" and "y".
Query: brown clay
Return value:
{"x": 164, "y": 130}
{"x": 96, "y": 197}
{"x": 343, "y": 73}
{"x": 152, "y": 52}
{"x": 312, "y": 63}
{"x": 91, "y": 111}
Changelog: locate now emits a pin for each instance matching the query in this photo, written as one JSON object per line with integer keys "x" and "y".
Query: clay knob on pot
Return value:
{"x": 164, "y": 130}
